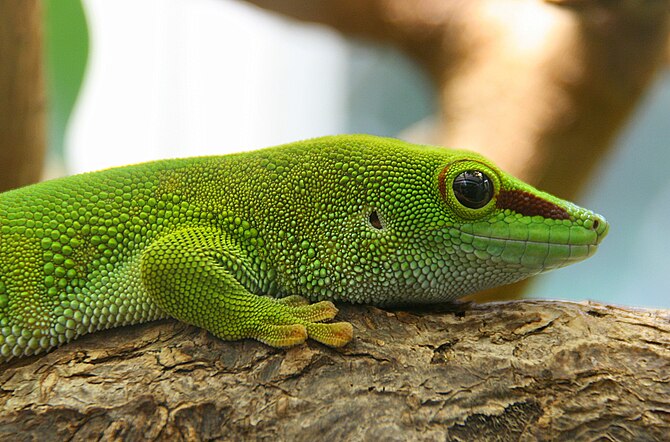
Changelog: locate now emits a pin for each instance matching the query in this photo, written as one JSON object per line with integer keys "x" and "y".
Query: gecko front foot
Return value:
{"x": 290, "y": 321}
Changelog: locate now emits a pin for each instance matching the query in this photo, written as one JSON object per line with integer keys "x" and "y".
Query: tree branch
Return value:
{"x": 405, "y": 24}
{"x": 536, "y": 370}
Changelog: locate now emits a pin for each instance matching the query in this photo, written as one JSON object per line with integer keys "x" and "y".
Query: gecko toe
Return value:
{"x": 317, "y": 312}
{"x": 282, "y": 336}
{"x": 293, "y": 301}
{"x": 336, "y": 334}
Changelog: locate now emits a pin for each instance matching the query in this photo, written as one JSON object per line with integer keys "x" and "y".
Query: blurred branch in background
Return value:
{"x": 541, "y": 87}
{"x": 22, "y": 98}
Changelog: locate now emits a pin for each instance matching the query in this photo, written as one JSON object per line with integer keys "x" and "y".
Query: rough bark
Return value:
{"x": 523, "y": 370}
{"x": 22, "y": 95}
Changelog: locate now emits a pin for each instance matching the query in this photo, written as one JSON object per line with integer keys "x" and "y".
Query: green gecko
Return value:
{"x": 239, "y": 244}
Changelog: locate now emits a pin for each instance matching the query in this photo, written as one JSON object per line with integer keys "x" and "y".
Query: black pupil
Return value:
{"x": 473, "y": 189}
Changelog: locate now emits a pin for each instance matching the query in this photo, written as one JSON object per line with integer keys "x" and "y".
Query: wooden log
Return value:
{"x": 520, "y": 370}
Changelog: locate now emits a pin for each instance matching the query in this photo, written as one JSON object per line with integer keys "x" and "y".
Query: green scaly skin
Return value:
{"x": 346, "y": 218}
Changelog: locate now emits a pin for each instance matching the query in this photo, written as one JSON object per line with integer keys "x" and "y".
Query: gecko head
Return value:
{"x": 508, "y": 227}
{"x": 452, "y": 223}
{"x": 419, "y": 224}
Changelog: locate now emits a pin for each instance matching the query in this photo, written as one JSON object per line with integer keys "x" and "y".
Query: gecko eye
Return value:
{"x": 473, "y": 189}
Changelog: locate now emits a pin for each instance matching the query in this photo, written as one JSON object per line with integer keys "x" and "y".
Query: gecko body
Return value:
{"x": 240, "y": 244}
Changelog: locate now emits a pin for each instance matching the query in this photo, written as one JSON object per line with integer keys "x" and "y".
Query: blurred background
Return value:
{"x": 135, "y": 80}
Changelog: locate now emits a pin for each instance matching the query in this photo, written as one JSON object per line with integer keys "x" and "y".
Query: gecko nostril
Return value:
{"x": 596, "y": 224}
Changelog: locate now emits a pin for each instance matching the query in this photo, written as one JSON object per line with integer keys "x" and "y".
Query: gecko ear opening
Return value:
{"x": 375, "y": 221}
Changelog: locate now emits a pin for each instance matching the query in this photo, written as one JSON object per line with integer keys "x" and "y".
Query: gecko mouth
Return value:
{"x": 536, "y": 250}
